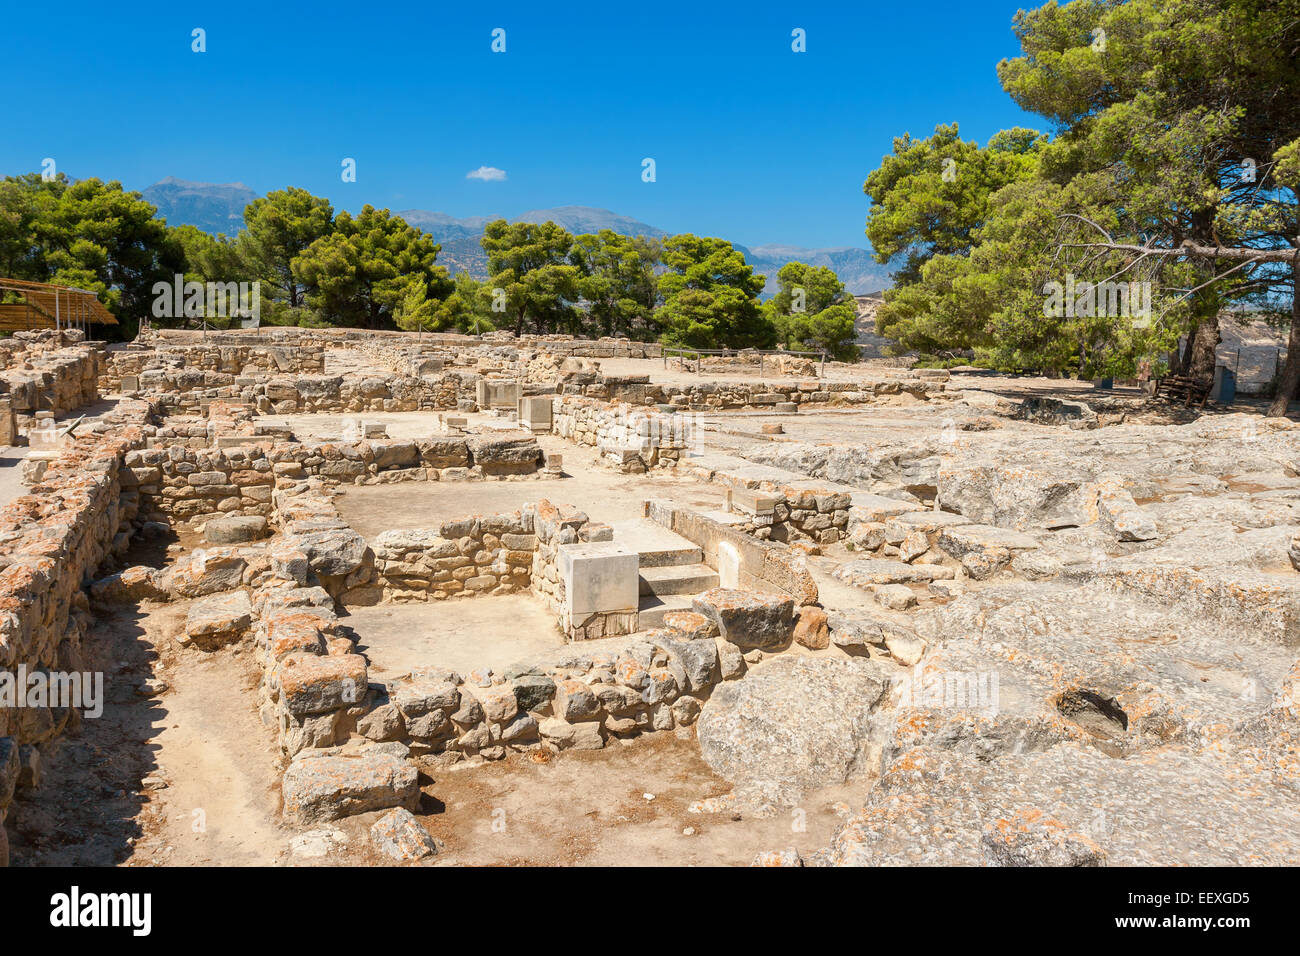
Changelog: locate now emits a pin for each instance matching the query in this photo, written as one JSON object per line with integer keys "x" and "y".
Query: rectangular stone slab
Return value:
{"x": 599, "y": 577}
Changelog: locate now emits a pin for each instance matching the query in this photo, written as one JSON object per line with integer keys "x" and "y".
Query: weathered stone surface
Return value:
{"x": 1147, "y": 810}
{"x": 574, "y": 701}
{"x": 206, "y": 572}
{"x": 896, "y": 597}
{"x": 219, "y": 618}
{"x": 979, "y": 539}
{"x": 1120, "y": 516}
{"x": 811, "y": 629}
{"x": 235, "y": 529}
{"x": 399, "y": 836}
{"x": 1031, "y": 838}
{"x": 585, "y": 735}
{"x": 856, "y": 632}
{"x": 1053, "y": 411}
{"x": 906, "y": 648}
{"x": 312, "y": 684}
{"x": 695, "y": 661}
{"x": 504, "y": 452}
{"x": 533, "y": 691}
{"x": 130, "y": 585}
{"x": 382, "y": 723}
{"x": 776, "y": 858}
{"x": 792, "y": 723}
{"x": 873, "y": 571}
{"x": 333, "y": 552}
{"x": 692, "y": 624}
{"x": 748, "y": 618}
{"x": 318, "y": 786}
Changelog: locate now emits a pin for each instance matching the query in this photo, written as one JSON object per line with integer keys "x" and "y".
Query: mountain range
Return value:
{"x": 215, "y": 208}
{"x": 219, "y": 208}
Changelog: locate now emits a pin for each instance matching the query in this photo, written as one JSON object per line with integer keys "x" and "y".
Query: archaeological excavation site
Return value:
{"x": 338, "y": 597}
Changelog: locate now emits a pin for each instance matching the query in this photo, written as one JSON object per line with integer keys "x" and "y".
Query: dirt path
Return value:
{"x": 185, "y": 778}
{"x": 628, "y": 804}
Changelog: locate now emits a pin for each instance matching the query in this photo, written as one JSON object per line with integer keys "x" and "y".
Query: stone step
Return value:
{"x": 678, "y": 579}
{"x": 657, "y": 546}
{"x": 653, "y": 607}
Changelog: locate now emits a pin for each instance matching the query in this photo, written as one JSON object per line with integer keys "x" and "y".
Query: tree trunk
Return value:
{"x": 1200, "y": 351}
{"x": 1286, "y": 386}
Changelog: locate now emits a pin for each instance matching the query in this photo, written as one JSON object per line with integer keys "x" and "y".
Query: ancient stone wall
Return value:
{"x": 345, "y": 337}
{"x": 56, "y": 536}
{"x": 634, "y": 440}
{"x": 572, "y": 699}
{"x": 184, "y": 484}
{"x": 480, "y": 554}
{"x": 795, "y": 514}
{"x": 189, "y": 391}
{"x": 924, "y": 384}
{"x": 45, "y": 375}
{"x": 130, "y": 363}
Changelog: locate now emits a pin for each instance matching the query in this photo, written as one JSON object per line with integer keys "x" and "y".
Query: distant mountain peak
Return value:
{"x": 220, "y": 208}
{"x": 212, "y": 207}
{"x": 191, "y": 184}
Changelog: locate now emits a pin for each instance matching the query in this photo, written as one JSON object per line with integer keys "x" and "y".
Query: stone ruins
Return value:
{"x": 394, "y": 598}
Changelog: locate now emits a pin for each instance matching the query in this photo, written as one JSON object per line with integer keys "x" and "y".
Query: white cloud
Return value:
{"x": 489, "y": 174}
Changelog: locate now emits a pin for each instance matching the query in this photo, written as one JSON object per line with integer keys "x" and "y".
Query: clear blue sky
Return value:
{"x": 752, "y": 142}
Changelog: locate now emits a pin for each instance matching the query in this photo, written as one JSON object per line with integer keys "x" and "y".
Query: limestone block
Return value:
{"x": 598, "y": 577}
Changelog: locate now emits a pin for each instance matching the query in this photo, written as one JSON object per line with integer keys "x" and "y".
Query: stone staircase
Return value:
{"x": 672, "y": 569}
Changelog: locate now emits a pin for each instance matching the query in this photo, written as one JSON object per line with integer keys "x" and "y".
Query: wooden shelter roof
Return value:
{"x": 47, "y": 306}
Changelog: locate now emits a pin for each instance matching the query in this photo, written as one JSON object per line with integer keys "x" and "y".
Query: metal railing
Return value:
{"x": 730, "y": 353}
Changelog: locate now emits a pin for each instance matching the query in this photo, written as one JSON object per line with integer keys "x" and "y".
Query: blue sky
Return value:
{"x": 751, "y": 141}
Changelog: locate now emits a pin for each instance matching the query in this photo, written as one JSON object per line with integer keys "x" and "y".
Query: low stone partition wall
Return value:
{"x": 314, "y": 687}
{"x": 574, "y": 698}
{"x": 187, "y": 391}
{"x": 351, "y": 337}
{"x": 634, "y": 440}
{"x": 923, "y": 384}
{"x": 55, "y": 537}
{"x": 57, "y": 380}
{"x": 184, "y": 485}
{"x": 495, "y": 554}
{"x": 819, "y": 515}
{"x": 481, "y": 554}
{"x": 501, "y": 554}
{"x": 138, "y": 358}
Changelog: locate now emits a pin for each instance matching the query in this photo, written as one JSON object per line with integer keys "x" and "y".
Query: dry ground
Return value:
{"x": 191, "y": 778}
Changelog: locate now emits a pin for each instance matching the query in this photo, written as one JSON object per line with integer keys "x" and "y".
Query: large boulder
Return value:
{"x": 748, "y": 618}
{"x": 794, "y": 723}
